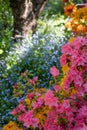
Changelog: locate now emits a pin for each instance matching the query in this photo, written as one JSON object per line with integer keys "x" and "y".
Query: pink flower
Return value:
{"x": 38, "y": 103}
{"x": 51, "y": 121}
{"x": 83, "y": 111}
{"x": 37, "y": 94}
{"x": 32, "y": 81}
{"x": 78, "y": 42}
{"x": 21, "y": 117}
{"x": 63, "y": 60}
{"x": 54, "y": 71}
{"x": 19, "y": 109}
{"x": 56, "y": 88}
{"x": 67, "y": 48}
{"x": 14, "y": 112}
{"x": 30, "y": 95}
{"x": 66, "y": 105}
{"x": 85, "y": 87}
{"x": 35, "y": 78}
{"x": 84, "y": 127}
{"x": 50, "y": 100}
{"x": 29, "y": 120}
{"x": 81, "y": 126}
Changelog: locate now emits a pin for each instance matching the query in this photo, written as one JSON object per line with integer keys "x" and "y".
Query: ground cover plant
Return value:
{"x": 32, "y": 52}
{"x": 30, "y": 57}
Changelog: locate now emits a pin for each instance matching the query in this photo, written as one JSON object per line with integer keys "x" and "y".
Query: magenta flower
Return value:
{"x": 38, "y": 103}
{"x": 56, "y": 88}
{"x": 35, "y": 78}
{"x": 80, "y": 126}
{"x": 63, "y": 60}
{"x": 67, "y": 48}
{"x": 30, "y": 95}
{"x": 29, "y": 120}
{"x": 51, "y": 121}
{"x": 37, "y": 94}
{"x": 50, "y": 100}
{"x": 14, "y": 111}
{"x": 83, "y": 112}
{"x": 54, "y": 71}
{"x": 19, "y": 109}
{"x": 32, "y": 81}
{"x": 66, "y": 105}
{"x": 85, "y": 87}
{"x": 21, "y": 117}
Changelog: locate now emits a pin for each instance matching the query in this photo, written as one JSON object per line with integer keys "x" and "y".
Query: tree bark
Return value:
{"x": 26, "y": 13}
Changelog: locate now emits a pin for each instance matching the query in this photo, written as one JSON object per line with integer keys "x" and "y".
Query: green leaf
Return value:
{"x": 1, "y": 51}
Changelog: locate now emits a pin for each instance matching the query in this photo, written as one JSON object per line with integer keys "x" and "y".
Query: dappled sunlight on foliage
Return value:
{"x": 6, "y": 23}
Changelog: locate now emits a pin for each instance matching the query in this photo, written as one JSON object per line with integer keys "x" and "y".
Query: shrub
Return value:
{"x": 77, "y": 20}
{"x": 64, "y": 107}
{"x": 37, "y": 55}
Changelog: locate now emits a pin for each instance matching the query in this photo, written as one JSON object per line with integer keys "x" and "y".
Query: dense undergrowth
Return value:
{"x": 32, "y": 52}
{"x": 62, "y": 107}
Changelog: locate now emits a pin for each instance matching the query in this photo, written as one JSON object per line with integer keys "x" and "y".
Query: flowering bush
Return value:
{"x": 70, "y": 9}
{"x": 37, "y": 55}
{"x": 64, "y": 107}
{"x": 11, "y": 126}
{"x": 30, "y": 55}
{"x": 78, "y": 18}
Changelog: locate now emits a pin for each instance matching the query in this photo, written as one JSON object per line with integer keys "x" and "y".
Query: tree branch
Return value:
{"x": 38, "y": 6}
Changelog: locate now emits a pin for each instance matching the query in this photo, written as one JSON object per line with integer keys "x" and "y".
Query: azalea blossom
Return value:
{"x": 54, "y": 71}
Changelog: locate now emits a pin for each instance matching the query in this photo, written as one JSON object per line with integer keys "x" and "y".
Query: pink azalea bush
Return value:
{"x": 64, "y": 107}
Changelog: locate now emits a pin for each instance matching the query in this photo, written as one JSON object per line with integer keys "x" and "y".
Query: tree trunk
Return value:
{"x": 26, "y": 13}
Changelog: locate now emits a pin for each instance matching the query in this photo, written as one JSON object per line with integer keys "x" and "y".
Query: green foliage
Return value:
{"x": 36, "y": 54}
{"x": 78, "y": 1}
{"x": 53, "y": 8}
{"x": 6, "y": 21}
{"x": 7, "y": 102}
{"x": 51, "y": 17}
{"x": 54, "y": 25}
